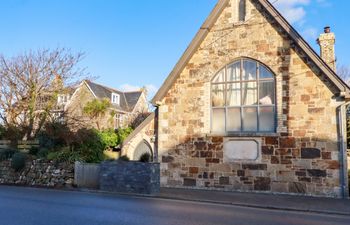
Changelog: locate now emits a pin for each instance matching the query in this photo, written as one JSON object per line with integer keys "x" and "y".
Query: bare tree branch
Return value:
{"x": 30, "y": 84}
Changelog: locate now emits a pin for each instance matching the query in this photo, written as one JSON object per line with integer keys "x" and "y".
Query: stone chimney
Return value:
{"x": 326, "y": 42}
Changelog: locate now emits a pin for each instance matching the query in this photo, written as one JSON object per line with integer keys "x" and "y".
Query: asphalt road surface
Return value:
{"x": 28, "y": 206}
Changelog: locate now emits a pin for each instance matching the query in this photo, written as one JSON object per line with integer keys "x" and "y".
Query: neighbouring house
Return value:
{"x": 124, "y": 107}
{"x": 250, "y": 106}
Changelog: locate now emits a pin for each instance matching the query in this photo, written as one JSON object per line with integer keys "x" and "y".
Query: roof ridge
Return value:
{"x": 106, "y": 87}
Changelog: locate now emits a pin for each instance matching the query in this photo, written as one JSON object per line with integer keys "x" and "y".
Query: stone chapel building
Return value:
{"x": 250, "y": 106}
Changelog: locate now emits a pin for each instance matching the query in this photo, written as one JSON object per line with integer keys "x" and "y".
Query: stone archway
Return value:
{"x": 142, "y": 148}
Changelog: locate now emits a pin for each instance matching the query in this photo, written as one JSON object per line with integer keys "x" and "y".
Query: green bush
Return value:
{"x": 42, "y": 153}
{"x": 6, "y": 153}
{"x": 18, "y": 161}
{"x": 145, "y": 157}
{"x": 33, "y": 150}
{"x": 88, "y": 146}
{"x": 64, "y": 155}
{"x": 124, "y": 158}
{"x": 55, "y": 136}
{"x": 109, "y": 138}
{"x": 123, "y": 133}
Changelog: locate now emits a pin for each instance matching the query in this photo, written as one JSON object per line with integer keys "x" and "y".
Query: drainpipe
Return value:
{"x": 156, "y": 131}
{"x": 343, "y": 150}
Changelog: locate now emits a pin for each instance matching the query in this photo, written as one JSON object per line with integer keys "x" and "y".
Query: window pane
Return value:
{"x": 264, "y": 73}
{"x": 242, "y": 10}
{"x": 267, "y": 119}
{"x": 220, "y": 77}
{"x": 234, "y": 119}
{"x": 218, "y": 121}
{"x": 233, "y": 72}
{"x": 267, "y": 93}
{"x": 249, "y": 70}
{"x": 249, "y": 93}
{"x": 217, "y": 95}
{"x": 233, "y": 94}
{"x": 250, "y": 119}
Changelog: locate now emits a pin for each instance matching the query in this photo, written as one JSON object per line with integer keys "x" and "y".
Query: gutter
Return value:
{"x": 341, "y": 111}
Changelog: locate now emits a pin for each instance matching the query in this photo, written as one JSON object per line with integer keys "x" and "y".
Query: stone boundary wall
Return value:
{"x": 38, "y": 173}
{"x": 130, "y": 177}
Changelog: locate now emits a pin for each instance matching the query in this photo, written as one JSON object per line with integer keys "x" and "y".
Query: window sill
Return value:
{"x": 243, "y": 135}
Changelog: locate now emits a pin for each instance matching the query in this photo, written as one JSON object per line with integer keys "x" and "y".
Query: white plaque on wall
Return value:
{"x": 241, "y": 150}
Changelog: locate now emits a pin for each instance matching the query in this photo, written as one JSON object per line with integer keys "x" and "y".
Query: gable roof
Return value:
{"x": 128, "y": 100}
{"x": 341, "y": 86}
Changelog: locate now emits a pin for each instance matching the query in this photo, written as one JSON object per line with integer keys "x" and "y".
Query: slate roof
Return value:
{"x": 128, "y": 100}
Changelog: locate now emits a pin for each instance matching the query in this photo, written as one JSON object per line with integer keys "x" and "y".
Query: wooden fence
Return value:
{"x": 22, "y": 146}
{"x": 86, "y": 175}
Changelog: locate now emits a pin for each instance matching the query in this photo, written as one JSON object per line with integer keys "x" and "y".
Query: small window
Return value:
{"x": 119, "y": 121}
{"x": 241, "y": 10}
{"x": 115, "y": 98}
{"x": 62, "y": 99}
{"x": 243, "y": 98}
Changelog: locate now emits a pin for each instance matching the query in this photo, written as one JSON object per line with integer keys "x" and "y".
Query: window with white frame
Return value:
{"x": 119, "y": 120}
{"x": 62, "y": 98}
{"x": 115, "y": 98}
{"x": 243, "y": 98}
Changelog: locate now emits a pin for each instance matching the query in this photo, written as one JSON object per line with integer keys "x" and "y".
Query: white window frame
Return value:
{"x": 242, "y": 106}
{"x": 115, "y": 99}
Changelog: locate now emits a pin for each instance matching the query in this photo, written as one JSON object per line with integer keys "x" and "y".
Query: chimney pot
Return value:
{"x": 327, "y": 29}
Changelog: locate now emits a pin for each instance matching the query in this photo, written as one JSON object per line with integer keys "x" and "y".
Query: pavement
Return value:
{"x": 32, "y": 206}
{"x": 261, "y": 200}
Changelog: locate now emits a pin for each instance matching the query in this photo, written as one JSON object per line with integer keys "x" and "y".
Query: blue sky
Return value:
{"x": 129, "y": 44}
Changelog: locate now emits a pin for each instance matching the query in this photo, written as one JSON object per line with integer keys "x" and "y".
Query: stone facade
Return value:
{"x": 301, "y": 157}
{"x": 75, "y": 111}
{"x": 38, "y": 173}
{"x": 145, "y": 134}
{"x": 130, "y": 177}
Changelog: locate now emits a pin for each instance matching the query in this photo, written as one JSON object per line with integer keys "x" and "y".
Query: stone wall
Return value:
{"x": 130, "y": 177}
{"x": 75, "y": 111}
{"x": 300, "y": 157}
{"x": 38, "y": 173}
{"x": 145, "y": 134}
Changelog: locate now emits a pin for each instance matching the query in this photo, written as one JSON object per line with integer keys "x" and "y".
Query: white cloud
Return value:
{"x": 310, "y": 33}
{"x": 151, "y": 89}
{"x": 128, "y": 87}
{"x": 324, "y": 3}
{"x": 292, "y": 10}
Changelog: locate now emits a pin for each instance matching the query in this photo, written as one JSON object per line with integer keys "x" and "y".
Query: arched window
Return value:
{"x": 243, "y": 98}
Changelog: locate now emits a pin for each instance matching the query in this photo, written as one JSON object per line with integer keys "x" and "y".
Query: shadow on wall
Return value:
{"x": 287, "y": 165}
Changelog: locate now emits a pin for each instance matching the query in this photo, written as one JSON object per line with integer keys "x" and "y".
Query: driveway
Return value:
{"x": 29, "y": 206}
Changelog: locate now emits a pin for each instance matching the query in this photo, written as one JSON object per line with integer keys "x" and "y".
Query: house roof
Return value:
{"x": 128, "y": 100}
{"x": 341, "y": 86}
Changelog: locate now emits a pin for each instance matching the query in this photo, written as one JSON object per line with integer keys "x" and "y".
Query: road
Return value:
{"x": 29, "y": 206}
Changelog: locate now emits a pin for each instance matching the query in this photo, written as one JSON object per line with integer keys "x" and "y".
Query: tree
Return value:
{"x": 30, "y": 84}
{"x": 96, "y": 108}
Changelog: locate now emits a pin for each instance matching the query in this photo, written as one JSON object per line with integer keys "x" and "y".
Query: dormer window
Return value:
{"x": 115, "y": 99}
